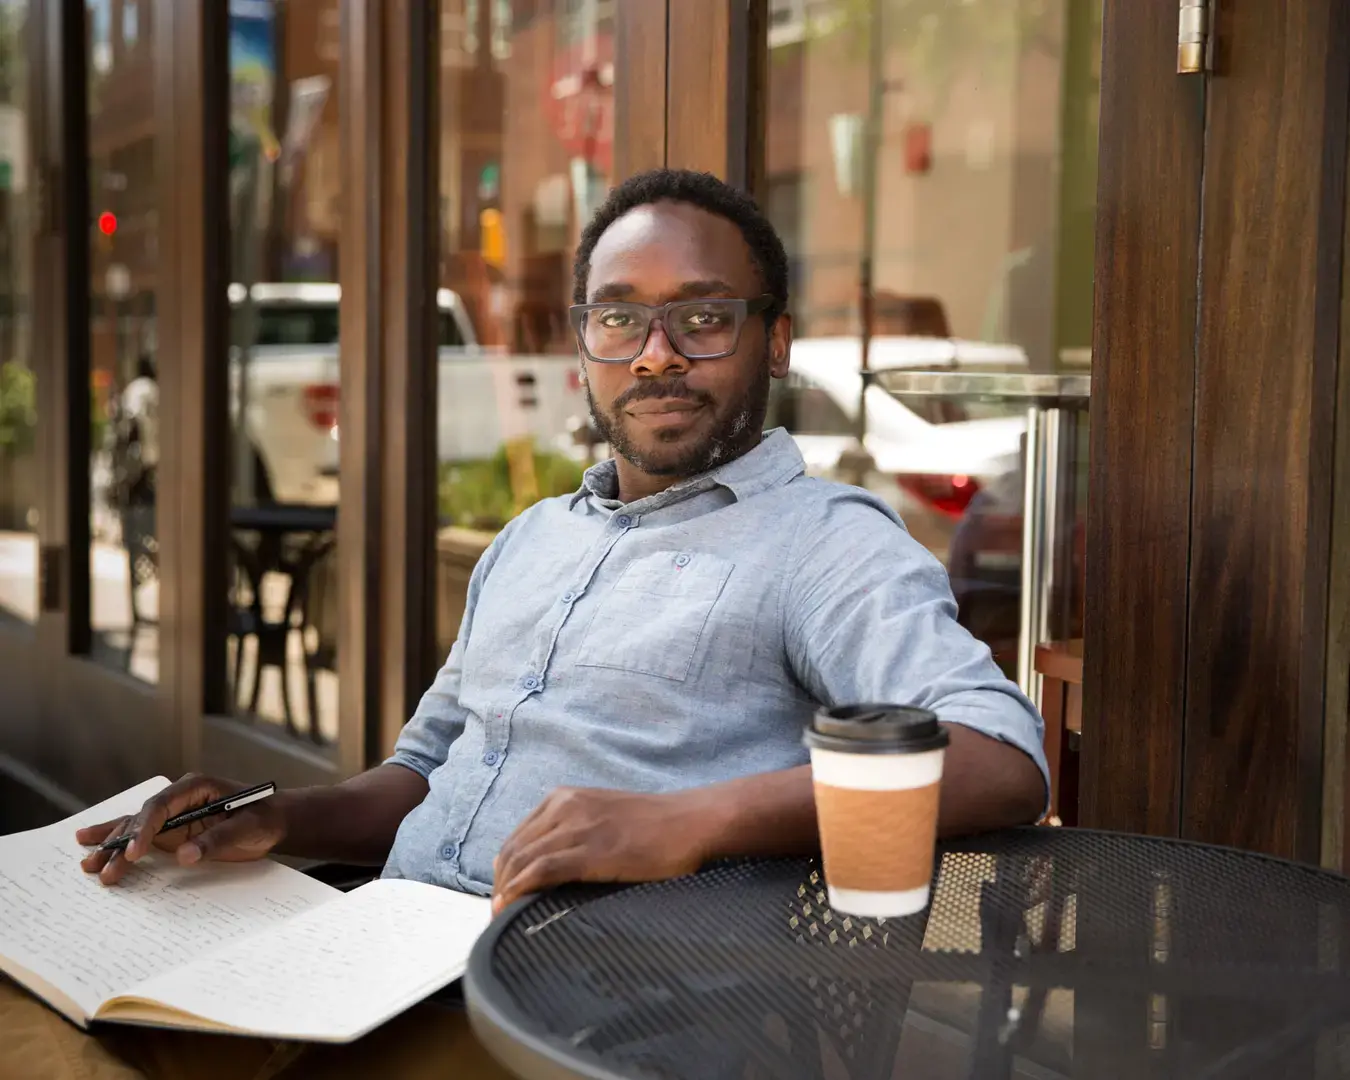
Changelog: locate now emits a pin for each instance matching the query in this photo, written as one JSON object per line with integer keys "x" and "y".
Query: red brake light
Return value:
{"x": 321, "y": 405}
{"x": 947, "y": 494}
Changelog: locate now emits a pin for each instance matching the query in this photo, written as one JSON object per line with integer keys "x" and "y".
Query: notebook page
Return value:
{"x": 92, "y": 942}
{"x": 334, "y": 973}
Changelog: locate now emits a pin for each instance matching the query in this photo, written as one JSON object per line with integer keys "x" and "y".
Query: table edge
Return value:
{"x": 502, "y": 1028}
{"x": 505, "y": 1032}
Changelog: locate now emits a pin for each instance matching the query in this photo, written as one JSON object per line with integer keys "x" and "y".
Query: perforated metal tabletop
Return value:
{"x": 1045, "y": 953}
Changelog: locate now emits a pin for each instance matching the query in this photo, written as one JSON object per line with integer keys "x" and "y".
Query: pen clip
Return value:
{"x": 262, "y": 791}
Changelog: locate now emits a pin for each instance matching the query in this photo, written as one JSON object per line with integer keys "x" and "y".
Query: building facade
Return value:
{"x": 284, "y": 341}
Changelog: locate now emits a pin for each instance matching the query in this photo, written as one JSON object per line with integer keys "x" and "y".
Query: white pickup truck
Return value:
{"x": 291, "y": 389}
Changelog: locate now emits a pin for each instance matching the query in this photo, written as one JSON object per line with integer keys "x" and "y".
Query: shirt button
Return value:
{"x": 568, "y": 597}
{"x": 681, "y": 559}
{"x": 449, "y": 851}
{"x": 531, "y": 682}
{"x": 491, "y": 758}
{"x": 623, "y": 521}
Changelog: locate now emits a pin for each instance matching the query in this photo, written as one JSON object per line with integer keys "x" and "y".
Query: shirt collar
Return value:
{"x": 774, "y": 462}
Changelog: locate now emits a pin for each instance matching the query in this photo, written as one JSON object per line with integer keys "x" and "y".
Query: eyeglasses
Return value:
{"x": 616, "y": 332}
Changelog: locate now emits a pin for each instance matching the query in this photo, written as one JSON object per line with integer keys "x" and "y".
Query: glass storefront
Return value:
{"x": 124, "y": 356}
{"x": 285, "y": 381}
{"x": 931, "y": 168}
{"x": 526, "y": 152}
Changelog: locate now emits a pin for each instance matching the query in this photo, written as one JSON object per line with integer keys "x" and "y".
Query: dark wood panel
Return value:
{"x": 360, "y": 270}
{"x": 1148, "y": 225}
{"x": 1336, "y": 764}
{"x": 410, "y": 236}
{"x": 205, "y": 446}
{"x": 190, "y": 73}
{"x": 640, "y": 87}
{"x": 712, "y": 81}
{"x": 1264, "y": 428}
{"x": 70, "y": 398}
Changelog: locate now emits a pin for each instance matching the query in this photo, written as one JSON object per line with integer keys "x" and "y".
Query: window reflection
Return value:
{"x": 284, "y": 375}
{"x": 526, "y": 156}
{"x": 123, "y": 345}
{"x": 18, "y": 387}
{"x": 952, "y": 166}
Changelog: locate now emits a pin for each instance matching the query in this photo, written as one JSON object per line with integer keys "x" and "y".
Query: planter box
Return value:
{"x": 18, "y": 491}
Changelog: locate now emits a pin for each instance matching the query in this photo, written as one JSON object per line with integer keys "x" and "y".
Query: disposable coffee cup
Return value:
{"x": 877, "y": 771}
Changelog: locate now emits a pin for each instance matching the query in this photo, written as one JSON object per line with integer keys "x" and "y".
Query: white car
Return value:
{"x": 291, "y": 390}
{"x": 932, "y": 457}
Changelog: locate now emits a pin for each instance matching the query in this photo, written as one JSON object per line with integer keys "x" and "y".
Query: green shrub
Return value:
{"x": 478, "y": 495}
{"x": 18, "y": 409}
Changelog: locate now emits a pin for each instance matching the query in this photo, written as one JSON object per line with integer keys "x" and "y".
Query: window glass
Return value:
{"x": 526, "y": 152}
{"x": 284, "y": 376}
{"x": 18, "y": 385}
{"x": 124, "y": 359}
{"x": 946, "y": 151}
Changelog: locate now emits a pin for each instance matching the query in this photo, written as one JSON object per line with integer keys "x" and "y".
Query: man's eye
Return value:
{"x": 614, "y": 319}
{"x": 705, "y": 319}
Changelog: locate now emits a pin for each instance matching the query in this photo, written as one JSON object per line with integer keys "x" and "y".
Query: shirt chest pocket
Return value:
{"x": 652, "y": 619}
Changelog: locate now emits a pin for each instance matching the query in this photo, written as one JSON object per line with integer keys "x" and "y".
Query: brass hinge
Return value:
{"x": 1194, "y": 40}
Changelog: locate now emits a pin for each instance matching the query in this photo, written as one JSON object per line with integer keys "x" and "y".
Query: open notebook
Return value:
{"x": 251, "y": 948}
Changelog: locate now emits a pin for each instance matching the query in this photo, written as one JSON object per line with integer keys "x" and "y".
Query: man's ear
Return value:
{"x": 780, "y": 346}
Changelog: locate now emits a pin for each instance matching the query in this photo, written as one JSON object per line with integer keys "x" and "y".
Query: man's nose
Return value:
{"x": 658, "y": 356}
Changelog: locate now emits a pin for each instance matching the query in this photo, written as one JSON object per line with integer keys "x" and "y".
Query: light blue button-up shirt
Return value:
{"x": 677, "y": 641}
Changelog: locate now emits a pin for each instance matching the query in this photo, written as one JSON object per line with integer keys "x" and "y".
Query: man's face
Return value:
{"x": 665, "y": 414}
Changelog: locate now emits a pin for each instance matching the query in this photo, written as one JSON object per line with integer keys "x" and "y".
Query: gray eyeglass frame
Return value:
{"x": 742, "y": 308}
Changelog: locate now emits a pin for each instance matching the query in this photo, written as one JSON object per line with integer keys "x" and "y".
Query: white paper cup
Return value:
{"x": 878, "y": 774}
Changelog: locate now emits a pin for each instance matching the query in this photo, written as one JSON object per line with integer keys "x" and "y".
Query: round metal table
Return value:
{"x": 1046, "y": 953}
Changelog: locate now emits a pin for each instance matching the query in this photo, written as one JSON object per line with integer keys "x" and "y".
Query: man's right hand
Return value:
{"x": 248, "y": 833}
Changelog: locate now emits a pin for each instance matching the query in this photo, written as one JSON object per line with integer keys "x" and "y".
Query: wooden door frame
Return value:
{"x": 408, "y": 200}
{"x": 640, "y": 84}
{"x": 1138, "y": 522}
{"x": 716, "y": 73}
{"x": 1212, "y": 658}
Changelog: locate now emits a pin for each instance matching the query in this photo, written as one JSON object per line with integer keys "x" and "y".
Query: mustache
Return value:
{"x": 655, "y": 387}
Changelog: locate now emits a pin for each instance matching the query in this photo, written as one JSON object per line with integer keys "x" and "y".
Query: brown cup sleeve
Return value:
{"x": 877, "y": 841}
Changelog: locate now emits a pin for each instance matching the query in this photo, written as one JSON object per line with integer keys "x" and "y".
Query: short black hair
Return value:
{"x": 707, "y": 192}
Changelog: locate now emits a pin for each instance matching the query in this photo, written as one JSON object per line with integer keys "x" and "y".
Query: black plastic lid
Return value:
{"x": 875, "y": 729}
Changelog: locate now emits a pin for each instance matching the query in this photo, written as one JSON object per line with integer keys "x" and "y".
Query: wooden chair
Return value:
{"x": 1060, "y": 665}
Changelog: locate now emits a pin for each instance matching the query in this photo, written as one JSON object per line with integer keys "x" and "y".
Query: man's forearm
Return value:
{"x": 351, "y": 822}
{"x": 986, "y": 785}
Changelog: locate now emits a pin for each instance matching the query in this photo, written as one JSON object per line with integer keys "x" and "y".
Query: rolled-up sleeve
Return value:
{"x": 424, "y": 743}
{"x": 869, "y": 617}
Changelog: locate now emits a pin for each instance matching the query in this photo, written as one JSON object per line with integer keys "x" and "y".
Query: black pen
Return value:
{"x": 218, "y": 806}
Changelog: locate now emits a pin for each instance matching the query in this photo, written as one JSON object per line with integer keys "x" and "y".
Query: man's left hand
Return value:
{"x": 591, "y": 834}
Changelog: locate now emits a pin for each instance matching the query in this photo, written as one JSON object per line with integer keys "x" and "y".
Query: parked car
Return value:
{"x": 932, "y": 457}
{"x": 292, "y": 391}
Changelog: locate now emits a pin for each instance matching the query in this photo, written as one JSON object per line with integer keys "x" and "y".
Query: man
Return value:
{"x": 627, "y": 694}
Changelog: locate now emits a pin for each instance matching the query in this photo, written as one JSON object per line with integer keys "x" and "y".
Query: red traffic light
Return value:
{"x": 107, "y": 223}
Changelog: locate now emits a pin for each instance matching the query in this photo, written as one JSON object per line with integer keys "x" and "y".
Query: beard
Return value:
{"x": 736, "y": 428}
